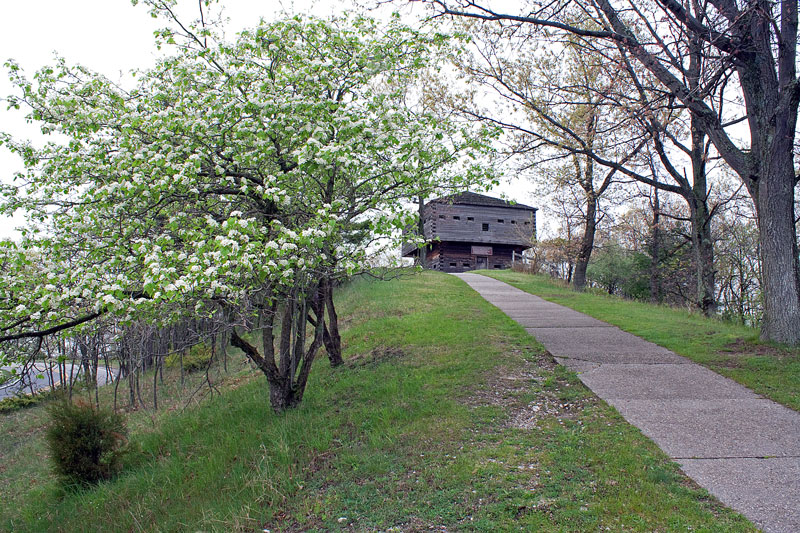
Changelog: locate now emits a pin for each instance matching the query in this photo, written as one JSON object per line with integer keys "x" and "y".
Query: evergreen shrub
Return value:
{"x": 85, "y": 443}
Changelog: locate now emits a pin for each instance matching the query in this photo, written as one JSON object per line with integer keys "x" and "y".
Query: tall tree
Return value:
{"x": 557, "y": 106}
{"x": 756, "y": 40}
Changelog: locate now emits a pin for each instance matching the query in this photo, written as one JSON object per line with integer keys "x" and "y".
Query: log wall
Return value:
{"x": 480, "y": 224}
{"x": 458, "y": 256}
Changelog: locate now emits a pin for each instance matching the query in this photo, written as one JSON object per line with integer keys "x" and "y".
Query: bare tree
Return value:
{"x": 756, "y": 40}
{"x": 558, "y": 110}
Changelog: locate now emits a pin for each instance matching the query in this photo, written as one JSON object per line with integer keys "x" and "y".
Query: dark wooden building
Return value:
{"x": 468, "y": 231}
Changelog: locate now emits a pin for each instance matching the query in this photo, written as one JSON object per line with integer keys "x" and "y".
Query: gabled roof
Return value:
{"x": 471, "y": 198}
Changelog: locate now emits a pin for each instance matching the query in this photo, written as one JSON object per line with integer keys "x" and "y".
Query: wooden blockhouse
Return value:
{"x": 470, "y": 231}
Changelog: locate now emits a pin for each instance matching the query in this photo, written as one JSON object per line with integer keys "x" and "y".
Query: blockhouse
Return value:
{"x": 469, "y": 231}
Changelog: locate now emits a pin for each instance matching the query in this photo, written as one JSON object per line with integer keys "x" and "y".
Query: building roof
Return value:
{"x": 471, "y": 198}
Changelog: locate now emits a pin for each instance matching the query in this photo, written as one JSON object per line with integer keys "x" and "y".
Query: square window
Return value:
{"x": 485, "y": 227}
{"x": 465, "y": 264}
{"x": 513, "y": 221}
{"x": 453, "y": 264}
{"x": 470, "y": 219}
{"x": 456, "y": 217}
{"x": 441, "y": 216}
{"x": 500, "y": 221}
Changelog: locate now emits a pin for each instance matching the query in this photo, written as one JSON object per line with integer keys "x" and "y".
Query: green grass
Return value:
{"x": 727, "y": 348}
{"x": 446, "y": 415}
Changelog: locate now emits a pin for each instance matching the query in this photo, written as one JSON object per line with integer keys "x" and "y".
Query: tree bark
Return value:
{"x": 697, "y": 196}
{"x": 331, "y": 337}
{"x": 282, "y": 395}
{"x": 656, "y": 288}
{"x": 702, "y": 239}
{"x": 324, "y": 310}
{"x": 778, "y": 239}
{"x": 587, "y": 244}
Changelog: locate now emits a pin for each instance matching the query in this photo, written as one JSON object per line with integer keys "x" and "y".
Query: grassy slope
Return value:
{"x": 447, "y": 414}
{"x": 729, "y": 349}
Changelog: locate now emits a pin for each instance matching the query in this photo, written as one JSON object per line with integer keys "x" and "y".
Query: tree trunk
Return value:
{"x": 772, "y": 100}
{"x": 656, "y": 289}
{"x": 282, "y": 395}
{"x": 778, "y": 239}
{"x": 702, "y": 240}
{"x": 286, "y": 380}
{"x": 322, "y": 304}
{"x": 769, "y": 88}
{"x": 703, "y": 251}
{"x": 587, "y": 244}
{"x": 422, "y": 250}
{"x": 330, "y": 335}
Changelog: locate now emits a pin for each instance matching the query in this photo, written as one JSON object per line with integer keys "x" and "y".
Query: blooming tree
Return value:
{"x": 231, "y": 179}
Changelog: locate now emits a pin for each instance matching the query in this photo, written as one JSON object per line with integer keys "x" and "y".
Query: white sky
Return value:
{"x": 113, "y": 37}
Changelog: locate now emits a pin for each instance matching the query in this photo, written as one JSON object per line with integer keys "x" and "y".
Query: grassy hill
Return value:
{"x": 447, "y": 416}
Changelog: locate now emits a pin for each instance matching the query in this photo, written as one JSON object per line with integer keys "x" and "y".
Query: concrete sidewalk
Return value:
{"x": 743, "y": 448}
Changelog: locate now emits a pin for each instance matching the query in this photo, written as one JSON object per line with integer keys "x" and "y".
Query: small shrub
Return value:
{"x": 85, "y": 443}
{"x": 195, "y": 358}
{"x": 620, "y": 271}
{"x": 23, "y": 401}
{"x": 12, "y": 403}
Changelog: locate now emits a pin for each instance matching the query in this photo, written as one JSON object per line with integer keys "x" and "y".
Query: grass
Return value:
{"x": 446, "y": 416}
{"x": 729, "y": 349}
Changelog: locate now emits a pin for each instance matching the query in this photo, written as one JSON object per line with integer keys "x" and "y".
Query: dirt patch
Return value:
{"x": 529, "y": 416}
{"x": 744, "y": 348}
{"x": 565, "y": 296}
{"x": 504, "y": 385}
{"x": 415, "y": 525}
{"x": 374, "y": 358}
{"x": 731, "y": 355}
{"x": 502, "y": 388}
{"x": 290, "y": 525}
{"x": 509, "y": 389}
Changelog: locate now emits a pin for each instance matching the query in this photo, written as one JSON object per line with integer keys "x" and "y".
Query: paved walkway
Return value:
{"x": 741, "y": 447}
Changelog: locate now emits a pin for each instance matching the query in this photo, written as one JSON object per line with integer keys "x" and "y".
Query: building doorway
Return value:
{"x": 482, "y": 262}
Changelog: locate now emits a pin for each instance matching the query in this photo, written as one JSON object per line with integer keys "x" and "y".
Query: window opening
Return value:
{"x": 485, "y": 227}
{"x": 456, "y": 217}
{"x": 470, "y": 219}
{"x": 500, "y": 221}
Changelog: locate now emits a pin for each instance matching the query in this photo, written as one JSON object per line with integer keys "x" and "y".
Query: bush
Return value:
{"x": 195, "y": 358}
{"x": 13, "y": 403}
{"x": 23, "y": 401}
{"x": 85, "y": 443}
{"x": 619, "y": 271}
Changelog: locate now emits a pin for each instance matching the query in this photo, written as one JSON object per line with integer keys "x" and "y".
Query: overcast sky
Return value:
{"x": 111, "y": 37}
